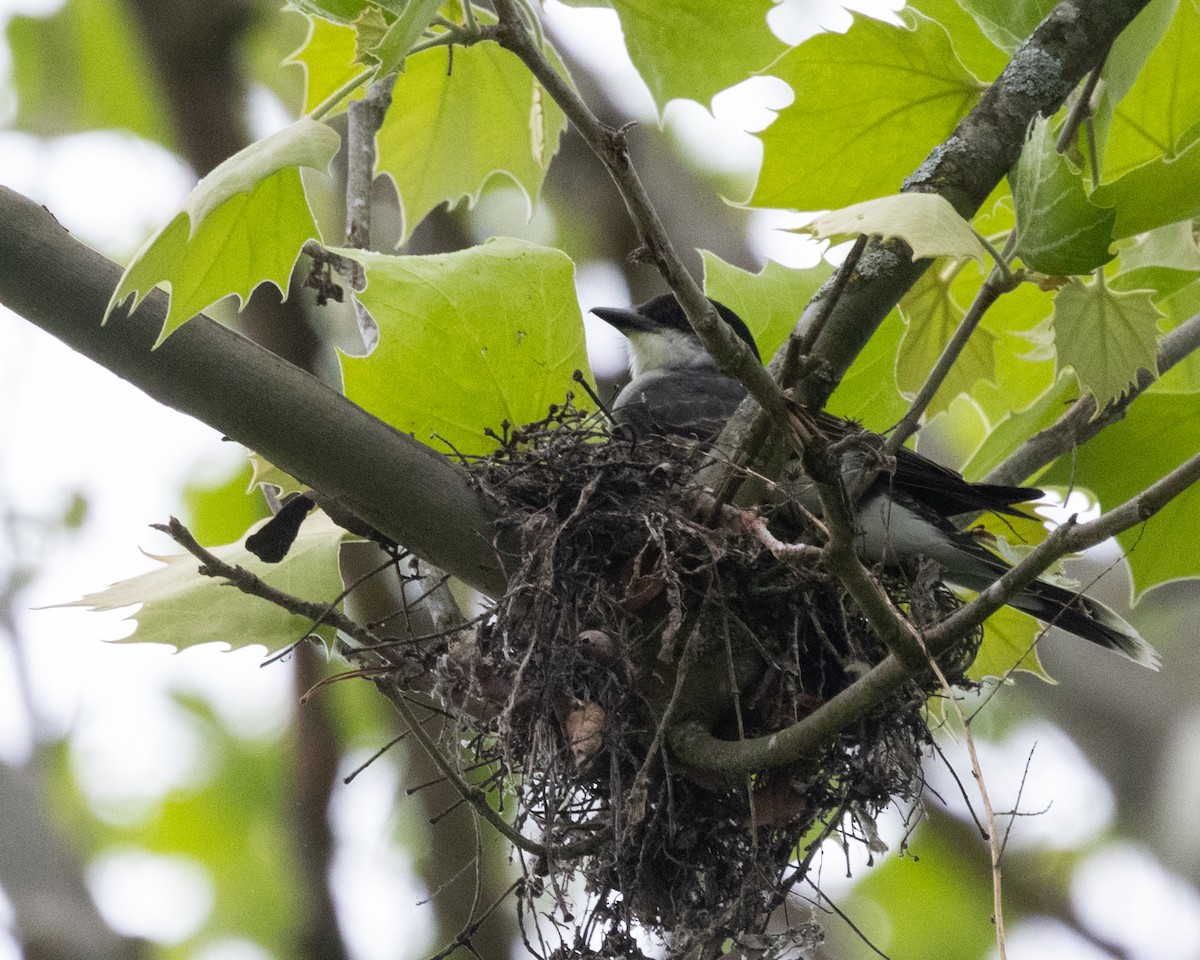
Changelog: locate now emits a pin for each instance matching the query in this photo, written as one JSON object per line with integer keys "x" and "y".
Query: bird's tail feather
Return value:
{"x": 1087, "y": 618}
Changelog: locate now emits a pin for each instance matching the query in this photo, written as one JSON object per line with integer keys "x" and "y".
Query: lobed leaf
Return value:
{"x": 1106, "y": 336}
{"x": 449, "y": 131}
{"x": 868, "y": 105}
{"x": 927, "y": 222}
{"x": 182, "y": 609}
{"x": 468, "y": 340}
{"x": 244, "y": 224}
{"x": 1059, "y": 231}
{"x": 694, "y": 49}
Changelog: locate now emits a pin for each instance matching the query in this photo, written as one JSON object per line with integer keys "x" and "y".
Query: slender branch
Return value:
{"x": 694, "y": 745}
{"x": 991, "y": 291}
{"x": 995, "y": 845}
{"x": 247, "y": 582}
{"x": 610, "y": 147}
{"x": 1081, "y": 109}
{"x": 365, "y": 118}
{"x": 1082, "y": 421}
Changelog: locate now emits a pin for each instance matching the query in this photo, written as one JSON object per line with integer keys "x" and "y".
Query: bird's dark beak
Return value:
{"x": 625, "y": 319}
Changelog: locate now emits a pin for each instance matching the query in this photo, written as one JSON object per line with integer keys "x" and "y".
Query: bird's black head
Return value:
{"x": 665, "y": 313}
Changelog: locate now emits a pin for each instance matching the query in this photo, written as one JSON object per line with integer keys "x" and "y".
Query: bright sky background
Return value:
{"x": 73, "y": 428}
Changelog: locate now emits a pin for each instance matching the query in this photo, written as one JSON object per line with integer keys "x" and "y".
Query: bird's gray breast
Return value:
{"x": 687, "y": 402}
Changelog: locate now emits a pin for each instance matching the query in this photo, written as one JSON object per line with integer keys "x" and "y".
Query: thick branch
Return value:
{"x": 401, "y": 487}
{"x": 965, "y": 169}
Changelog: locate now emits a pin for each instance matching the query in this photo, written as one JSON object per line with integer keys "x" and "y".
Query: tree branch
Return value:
{"x": 1082, "y": 422}
{"x": 965, "y": 168}
{"x": 610, "y": 147}
{"x": 405, "y": 490}
{"x": 694, "y": 745}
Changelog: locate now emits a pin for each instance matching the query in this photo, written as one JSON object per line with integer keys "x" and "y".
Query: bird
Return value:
{"x": 905, "y": 513}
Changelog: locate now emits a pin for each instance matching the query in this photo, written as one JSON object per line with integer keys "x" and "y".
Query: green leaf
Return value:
{"x": 449, "y": 131}
{"x": 927, "y": 222}
{"x": 1157, "y": 434}
{"x": 932, "y": 316}
{"x": 1008, "y": 22}
{"x": 329, "y": 60}
{"x": 1162, "y": 261}
{"x": 1018, "y": 427}
{"x": 868, "y": 393}
{"x": 1163, "y": 191}
{"x": 979, "y": 54}
{"x": 221, "y": 512}
{"x": 1059, "y": 230}
{"x": 868, "y": 106}
{"x": 86, "y": 68}
{"x": 392, "y": 49}
{"x": 770, "y": 301}
{"x": 1153, "y": 119}
{"x": 1105, "y": 336}
{"x": 1009, "y": 645}
{"x": 345, "y": 11}
{"x": 242, "y": 225}
{"x": 468, "y": 340}
{"x": 695, "y": 48}
{"x": 183, "y": 609}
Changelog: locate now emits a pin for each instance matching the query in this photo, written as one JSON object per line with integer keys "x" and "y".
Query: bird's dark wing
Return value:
{"x": 936, "y": 486}
{"x": 694, "y": 406}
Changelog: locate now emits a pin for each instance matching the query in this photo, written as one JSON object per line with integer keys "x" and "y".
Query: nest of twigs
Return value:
{"x": 633, "y": 608}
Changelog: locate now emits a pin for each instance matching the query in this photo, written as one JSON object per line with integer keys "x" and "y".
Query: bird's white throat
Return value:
{"x": 650, "y": 352}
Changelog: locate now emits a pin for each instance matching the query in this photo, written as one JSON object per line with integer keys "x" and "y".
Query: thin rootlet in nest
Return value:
{"x": 629, "y": 609}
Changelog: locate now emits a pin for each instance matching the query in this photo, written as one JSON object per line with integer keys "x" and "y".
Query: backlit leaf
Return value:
{"x": 468, "y": 340}
{"x": 242, "y": 225}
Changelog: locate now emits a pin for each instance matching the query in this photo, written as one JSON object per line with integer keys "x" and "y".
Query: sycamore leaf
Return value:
{"x": 1106, "y": 336}
{"x": 927, "y": 222}
{"x": 242, "y": 225}
{"x": 1007, "y": 23}
{"x": 370, "y": 27}
{"x": 1157, "y": 434}
{"x": 932, "y": 316}
{"x": 1163, "y": 191}
{"x": 979, "y": 54}
{"x": 328, "y": 57}
{"x": 1009, "y": 645}
{"x": 449, "y": 131}
{"x": 1163, "y": 261}
{"x": 266, "y": 473}
{"x": 1154, "y": 114}
{"x": 392, "y": 48}
{"x": 868, "y": 105}
{"x": 344, "y": 11}
{"x": 695, "y": 48}
{"x": 770, "y": 301}
{"x": 868, "y": 393}
{"x": 1060, "y": 231}
{"x": 85, "y": 67}
{"x": 184, "y": 609}
{"x": 467, "y": 340}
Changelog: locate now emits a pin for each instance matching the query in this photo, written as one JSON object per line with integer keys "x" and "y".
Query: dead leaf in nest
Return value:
{"x": 584, "y": 727}
{"x": 776, "y": 802}
{"x": 641, "y": 587}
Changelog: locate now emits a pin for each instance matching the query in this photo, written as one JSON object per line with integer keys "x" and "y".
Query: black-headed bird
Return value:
{"x": 905, "y": 513}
